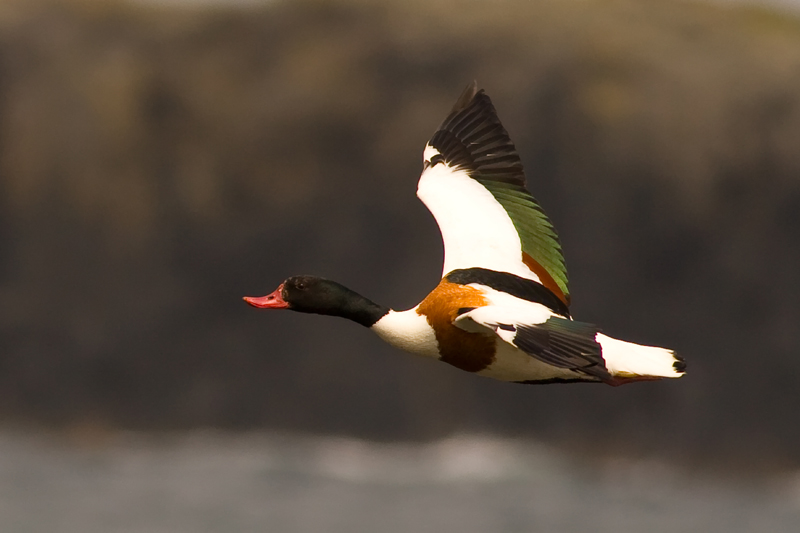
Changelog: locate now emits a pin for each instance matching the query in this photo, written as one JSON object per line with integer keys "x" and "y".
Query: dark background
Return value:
{"x": 158, "y": 163}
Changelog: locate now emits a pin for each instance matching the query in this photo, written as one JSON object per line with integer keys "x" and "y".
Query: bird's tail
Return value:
{"x": 628, "y": 362}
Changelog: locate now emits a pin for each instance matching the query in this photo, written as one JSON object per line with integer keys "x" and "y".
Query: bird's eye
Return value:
{"x": 300, "y": 285}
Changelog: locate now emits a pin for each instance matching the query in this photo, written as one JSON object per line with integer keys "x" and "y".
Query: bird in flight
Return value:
{"x": 501, "y": 309}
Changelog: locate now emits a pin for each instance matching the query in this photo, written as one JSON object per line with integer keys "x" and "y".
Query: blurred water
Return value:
{"x": 779, "y": 4}
{"x": 218, "y": 482}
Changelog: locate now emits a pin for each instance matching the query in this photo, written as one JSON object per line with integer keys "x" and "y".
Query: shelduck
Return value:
{"x": 501, "y": 309}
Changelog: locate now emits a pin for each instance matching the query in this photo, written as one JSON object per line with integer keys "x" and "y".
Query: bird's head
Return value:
{"x": 311, "y": 294}
{"x": 306, "y": 294}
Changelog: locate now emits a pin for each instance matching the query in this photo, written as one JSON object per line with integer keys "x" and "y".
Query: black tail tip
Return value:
{"x": 679, "y": 365}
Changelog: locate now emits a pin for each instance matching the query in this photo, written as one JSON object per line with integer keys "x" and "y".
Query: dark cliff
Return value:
{"x": 158, "y": 164}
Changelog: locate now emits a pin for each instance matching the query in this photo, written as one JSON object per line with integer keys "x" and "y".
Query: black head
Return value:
{"x": 311, "y": 294}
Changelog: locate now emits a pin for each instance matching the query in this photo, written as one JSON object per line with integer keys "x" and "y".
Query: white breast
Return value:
{"x": 408, "y": 331}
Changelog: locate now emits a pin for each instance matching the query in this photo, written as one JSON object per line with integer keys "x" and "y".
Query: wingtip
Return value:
{"x": 679, "y": 365}
{"x": 466, "y": 97}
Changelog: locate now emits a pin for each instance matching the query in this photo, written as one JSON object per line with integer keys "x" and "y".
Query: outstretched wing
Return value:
{"x": 474, "y": 186}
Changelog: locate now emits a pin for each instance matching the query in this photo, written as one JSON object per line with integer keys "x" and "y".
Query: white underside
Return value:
{"x": 476, "y": 229}
{"x": 512, "y": 364}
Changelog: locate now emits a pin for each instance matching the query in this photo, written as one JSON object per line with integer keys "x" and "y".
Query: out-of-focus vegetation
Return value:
{"x": 157, "y": 164}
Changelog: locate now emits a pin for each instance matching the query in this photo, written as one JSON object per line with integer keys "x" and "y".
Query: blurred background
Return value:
{"x": 161, "y": 159}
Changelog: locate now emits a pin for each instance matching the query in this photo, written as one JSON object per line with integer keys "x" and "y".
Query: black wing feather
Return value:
{"x": 473, "y": 138}
{"x": 565, "y": 344}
